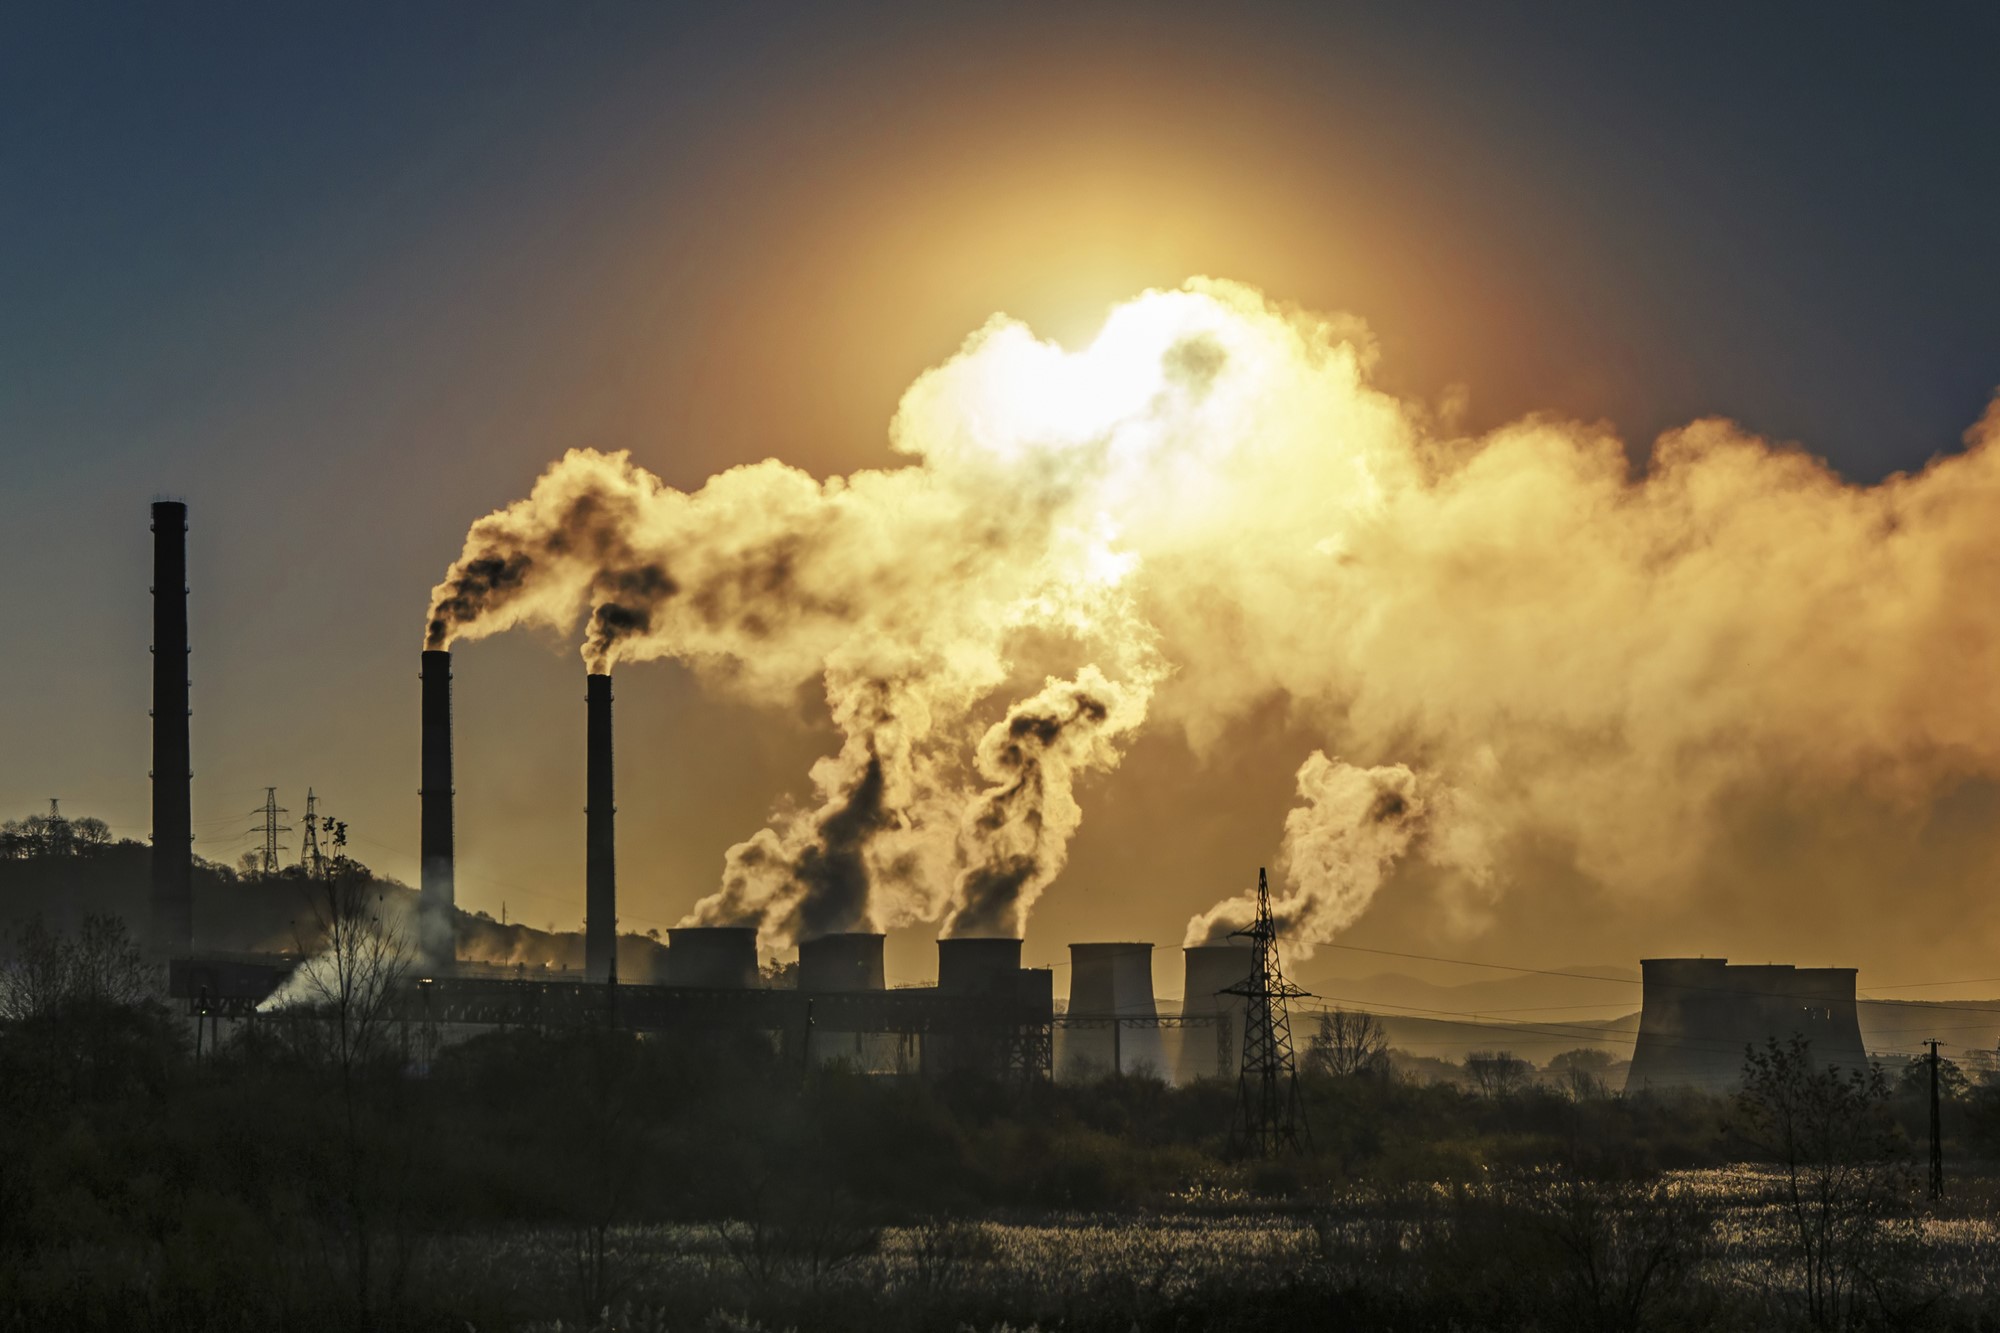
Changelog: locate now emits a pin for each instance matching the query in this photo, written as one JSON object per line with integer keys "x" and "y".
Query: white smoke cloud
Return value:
{"x": 1212, "y": 506}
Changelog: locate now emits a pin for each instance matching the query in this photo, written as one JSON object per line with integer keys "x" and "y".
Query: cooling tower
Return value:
{"x": 600, "y": 870}
{"x": 436, "y": 901}
{"x": 172, "y": 930}
{"x": 1699, "y": 1015}
{"x": 712, "y": 957}
{"x": 1111, "y": 1004}
{"x": 1107, "y": 979}
{"x": 847, "y": 962}
{"x": 1215, "y": 1050}
{"x": 974, "y": 966}
{"x": 1212, "y": 969}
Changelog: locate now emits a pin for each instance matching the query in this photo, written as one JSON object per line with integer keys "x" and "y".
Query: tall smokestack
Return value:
{"x": 600, "y": 871}
{"x": 173, "y": 820}
{"x": 436, "y": 902}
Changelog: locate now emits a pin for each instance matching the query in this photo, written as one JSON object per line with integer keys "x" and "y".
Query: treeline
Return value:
{"x": 310, "y": 1170}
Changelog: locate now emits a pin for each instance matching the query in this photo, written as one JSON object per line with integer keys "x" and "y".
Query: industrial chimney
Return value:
{"x": 844, "y": 962}
{"x": 600, "y": 884}
{"x": 436, "y": 902}
{"x": 172, "y": 931}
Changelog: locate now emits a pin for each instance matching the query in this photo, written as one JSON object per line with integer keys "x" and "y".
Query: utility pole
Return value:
{"x": 311, "y": 860}
{"x": 1269, "y": 1114}
{"x": 271, "y": 828}
{"x": 1937, "y": 1132}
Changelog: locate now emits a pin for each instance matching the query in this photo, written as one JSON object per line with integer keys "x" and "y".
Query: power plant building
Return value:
{"x": 1700, "y": 1016}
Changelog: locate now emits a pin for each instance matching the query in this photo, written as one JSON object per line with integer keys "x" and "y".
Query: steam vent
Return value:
{"x": 1700, "y": 1015}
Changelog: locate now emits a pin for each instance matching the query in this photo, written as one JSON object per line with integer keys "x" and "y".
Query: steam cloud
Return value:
{"x": 1339, "y": 846}
{"x": 1515, "y": 636}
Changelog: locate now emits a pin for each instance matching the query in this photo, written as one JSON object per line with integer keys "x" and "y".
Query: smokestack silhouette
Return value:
{"x": 600, "y": 886}
{"x": 436, "y": 901}
{"x": 173, "y": 821}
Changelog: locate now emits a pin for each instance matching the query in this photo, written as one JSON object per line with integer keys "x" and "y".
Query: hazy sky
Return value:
{"x": 346, "y": 278}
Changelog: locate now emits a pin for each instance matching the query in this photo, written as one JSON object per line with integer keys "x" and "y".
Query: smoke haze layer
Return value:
{"x": 1522, "y": 636}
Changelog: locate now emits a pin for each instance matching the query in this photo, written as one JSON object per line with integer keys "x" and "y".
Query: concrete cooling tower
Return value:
{"x": 712, "y": 957}
{"x": 841, "y": 963}
{"x": 1700, "y": 1015}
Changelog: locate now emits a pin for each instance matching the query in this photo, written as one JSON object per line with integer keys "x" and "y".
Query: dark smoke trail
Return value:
{"x": 1016, "y": 838}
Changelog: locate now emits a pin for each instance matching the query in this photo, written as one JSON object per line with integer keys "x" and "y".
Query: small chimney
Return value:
{"x": 172, "y": 932}
{"x": 844, "y": 962}
{"x": 436, "y": 902}
{"x": 600, "y": 889}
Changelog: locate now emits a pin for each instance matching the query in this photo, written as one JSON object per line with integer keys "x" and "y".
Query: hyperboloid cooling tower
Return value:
{"x": 1700, "y": 1015}
{"x": 844, "y": 962}
{"x": 1108, "y": 979}
{"x": 712, "y": 957}
{"x": 976, "y": 966}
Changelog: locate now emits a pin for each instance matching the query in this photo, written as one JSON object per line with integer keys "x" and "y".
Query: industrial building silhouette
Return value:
{"x": 985, "y": 1012}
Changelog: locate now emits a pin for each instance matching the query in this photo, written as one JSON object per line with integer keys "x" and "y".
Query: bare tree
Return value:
{"x": 1621, "y": 1248}
{"x": 353, "y": 968}
{"x": 49, "y": 971}
{"x": 1835, "y": 1145}
{"x": 52, "y": 834}
{"x": 1496, "y": 1074}
{"x": 344, "y": 994}
{"x": 1581, "y": 1074}
{"x": 1346, "y": 1043}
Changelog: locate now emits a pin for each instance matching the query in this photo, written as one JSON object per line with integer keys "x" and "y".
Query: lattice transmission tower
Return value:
{"x": 311, "y": 859}
{"x": 1269, "y": 1115}
{"x": 270, "y": 828}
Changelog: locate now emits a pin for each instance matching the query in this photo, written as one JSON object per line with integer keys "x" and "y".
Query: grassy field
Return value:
{"x": 1702, "y": 1249}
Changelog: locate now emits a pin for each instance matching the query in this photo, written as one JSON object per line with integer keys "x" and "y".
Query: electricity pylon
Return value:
{"x": 271, "y": 828}
{"x": 1269, "y": 1115}
{"x": 311, "y": 860}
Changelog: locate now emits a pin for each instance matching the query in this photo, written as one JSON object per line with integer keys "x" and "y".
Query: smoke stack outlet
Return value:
{"x": 600, "y": 888}
{"x": 437, "y": 897}
{"x": 172, "y": 931}
{"x": 712, "y": 957}
{"x": 843, "y": 962}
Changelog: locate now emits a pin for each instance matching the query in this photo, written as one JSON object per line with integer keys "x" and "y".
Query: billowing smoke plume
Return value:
{"x": 1016, "y": 836}
{"x": 1601, "y": 661}
{"x": 1355, "y": 825}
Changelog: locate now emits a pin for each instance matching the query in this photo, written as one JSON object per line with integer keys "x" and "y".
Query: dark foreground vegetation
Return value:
{"x": 326, "y": 1168}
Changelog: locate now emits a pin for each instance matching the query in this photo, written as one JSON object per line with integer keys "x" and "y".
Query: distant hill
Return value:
{"x": 236, "y": 913}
